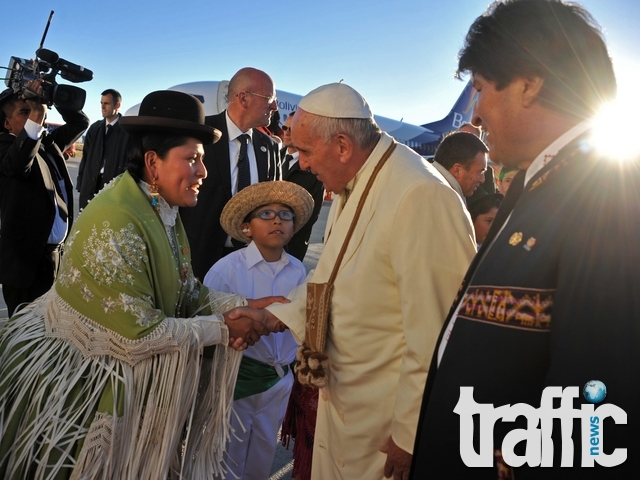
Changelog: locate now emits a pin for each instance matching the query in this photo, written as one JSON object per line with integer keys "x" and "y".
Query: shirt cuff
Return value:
{"x": 34, "y": 130}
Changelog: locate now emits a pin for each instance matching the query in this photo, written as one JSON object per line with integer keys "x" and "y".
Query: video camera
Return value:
{"x": 46, "y": 66}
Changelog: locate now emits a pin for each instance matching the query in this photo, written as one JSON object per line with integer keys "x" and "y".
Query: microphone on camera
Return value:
{"x": 69, "y": 71}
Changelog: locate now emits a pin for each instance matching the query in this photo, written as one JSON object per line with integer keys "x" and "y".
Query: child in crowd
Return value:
{"x": 483, "y": 207}
{"x": 266, "y": 215}
{"x": 505, "y": 177}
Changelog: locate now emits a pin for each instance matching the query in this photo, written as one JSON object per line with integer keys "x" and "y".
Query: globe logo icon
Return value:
{"x": 594, "y": 391}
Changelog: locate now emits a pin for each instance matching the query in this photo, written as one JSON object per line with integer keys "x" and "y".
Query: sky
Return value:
{"x": 401, "y": 56}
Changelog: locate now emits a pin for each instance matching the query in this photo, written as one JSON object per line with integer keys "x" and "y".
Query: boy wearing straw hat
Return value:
{"x": 265, "y": 215}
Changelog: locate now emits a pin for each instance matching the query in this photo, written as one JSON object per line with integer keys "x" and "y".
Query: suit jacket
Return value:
{"x": 202, "y": 222}
{"x": 92, "y": 154}
{"x": 300, "y": 241}
{"x": 553, "y": 302}
{"x": 27, "y": 191}
{"x": 391, "y": 296}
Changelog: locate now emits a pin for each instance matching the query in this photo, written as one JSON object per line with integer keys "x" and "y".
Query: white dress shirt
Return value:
{"x": 245, "y": 272}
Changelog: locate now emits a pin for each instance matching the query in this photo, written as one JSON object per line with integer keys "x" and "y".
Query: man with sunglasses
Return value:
{"x": 292, "y": 172}
{"x": 242, "y": 157}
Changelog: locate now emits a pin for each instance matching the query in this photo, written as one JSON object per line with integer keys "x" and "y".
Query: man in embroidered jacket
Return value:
{"x": 403, "y": 264}
{"x": 551, "y": 299}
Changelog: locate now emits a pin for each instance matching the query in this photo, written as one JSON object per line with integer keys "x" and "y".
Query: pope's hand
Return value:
{"x": 242, "y": 331}
{"x": 398, "y": 461}
{"x": 265, "y": 322}
{"x": 266, "y": 301}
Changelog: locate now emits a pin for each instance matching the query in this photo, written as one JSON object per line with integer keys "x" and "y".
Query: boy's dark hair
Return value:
{"x": 484, "y": 205}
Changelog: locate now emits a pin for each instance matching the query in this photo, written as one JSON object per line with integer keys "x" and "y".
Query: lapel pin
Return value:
{"x": 530, "y": 244}
{"x": 515, "y": 239}
{"x": 263, "y": 148}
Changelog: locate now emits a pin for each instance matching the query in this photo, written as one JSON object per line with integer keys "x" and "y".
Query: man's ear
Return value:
{"x": 530, "y": 90}
{"x": 344, "y": 145}
{"x": 455, "y": 170}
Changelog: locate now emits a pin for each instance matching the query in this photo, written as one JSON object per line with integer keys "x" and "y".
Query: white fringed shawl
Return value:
{"x": 98, "y": 379}
{"x": 63, "y": 365}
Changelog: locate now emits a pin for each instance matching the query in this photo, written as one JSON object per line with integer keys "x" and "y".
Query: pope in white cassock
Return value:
{"x": 412, "y": 243}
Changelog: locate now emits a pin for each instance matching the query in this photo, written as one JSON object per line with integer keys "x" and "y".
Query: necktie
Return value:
{"x": 285, "y": 167}
{"x": 104, "y": 153}
{"x": 244, "y": 175}
{"x": 58, "y": 182}
{"x": 244, "y": 172}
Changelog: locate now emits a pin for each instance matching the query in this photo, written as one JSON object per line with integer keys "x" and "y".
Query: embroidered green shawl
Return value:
{"x": 99, "y": 378}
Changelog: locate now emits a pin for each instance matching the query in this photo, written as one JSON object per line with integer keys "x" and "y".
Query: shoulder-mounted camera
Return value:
{"x": 46, "y": 66}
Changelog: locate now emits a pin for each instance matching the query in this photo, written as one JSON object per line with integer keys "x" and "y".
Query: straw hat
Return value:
{"x": 264, "y": 193}
{"x": 167, "y": 111}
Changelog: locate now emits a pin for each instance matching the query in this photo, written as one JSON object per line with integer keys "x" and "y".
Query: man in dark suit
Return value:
{"x": 36, "y": 195}
{"x": 232, "y": 166}
{"x": 104, "y": 153}
{"x": 550, "y": 302}
{"x": 293, "y": 172}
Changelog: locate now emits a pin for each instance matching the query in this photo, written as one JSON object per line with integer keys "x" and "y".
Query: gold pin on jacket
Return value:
{"x": 515, "y": 239}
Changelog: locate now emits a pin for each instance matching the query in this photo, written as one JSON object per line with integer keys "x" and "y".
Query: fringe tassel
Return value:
{"x": 160, "y": 428}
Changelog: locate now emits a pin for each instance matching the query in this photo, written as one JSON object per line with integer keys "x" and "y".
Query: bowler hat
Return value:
{"x": 167, "y": 111}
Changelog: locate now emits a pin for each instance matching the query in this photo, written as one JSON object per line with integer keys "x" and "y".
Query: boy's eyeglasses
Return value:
{"x": 285, "y": 128}
{"x": 285, "y": 215}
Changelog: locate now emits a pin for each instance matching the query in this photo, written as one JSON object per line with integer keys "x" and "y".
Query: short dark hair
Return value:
{"x": 484, "y": 205}
{"x": 7, "y": 105}
{"x": 117, "y": 98}
{"x": 140, "y": 143}
{"x": 459, "y": 147}
{"x": 556, "y": 41}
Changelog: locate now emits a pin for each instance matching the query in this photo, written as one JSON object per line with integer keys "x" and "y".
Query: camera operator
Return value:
{"x": 36, "y": 198}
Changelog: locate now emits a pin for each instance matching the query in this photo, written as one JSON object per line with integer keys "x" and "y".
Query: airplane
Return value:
{"x": 424, "y": 139}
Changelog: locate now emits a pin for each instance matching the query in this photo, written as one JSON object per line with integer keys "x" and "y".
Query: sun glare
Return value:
{"x": 615, "y": 130}
{"x": 616, "y": 126}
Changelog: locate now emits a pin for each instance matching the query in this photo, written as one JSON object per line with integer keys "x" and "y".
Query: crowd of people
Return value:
{"x": 172, "y": 330}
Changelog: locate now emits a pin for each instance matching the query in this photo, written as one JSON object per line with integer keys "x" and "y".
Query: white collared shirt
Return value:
{"x": 245, "y": 272}
{"x": 59, "y": 228}
{"x": 551, "y": 151}
{"x": 294, "y": 160}
{"x": 106, "y": 123}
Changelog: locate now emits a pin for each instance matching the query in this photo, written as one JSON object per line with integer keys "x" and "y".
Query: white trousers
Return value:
{"x": 250, "y": 457}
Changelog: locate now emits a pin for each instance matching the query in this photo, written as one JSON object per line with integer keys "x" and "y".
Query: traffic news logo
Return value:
{"x": 539, "y": 444}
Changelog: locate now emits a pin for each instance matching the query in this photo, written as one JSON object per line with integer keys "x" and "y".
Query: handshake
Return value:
{"x": 247, "y": 324}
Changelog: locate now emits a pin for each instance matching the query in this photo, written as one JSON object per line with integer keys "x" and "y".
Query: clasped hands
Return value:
{"x": 247, "y": 324}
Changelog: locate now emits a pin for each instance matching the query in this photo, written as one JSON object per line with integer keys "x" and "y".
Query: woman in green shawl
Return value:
{"x": 104, "y": 376}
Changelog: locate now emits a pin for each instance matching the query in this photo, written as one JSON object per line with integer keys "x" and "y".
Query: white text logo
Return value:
{"x": 539, "y": 445}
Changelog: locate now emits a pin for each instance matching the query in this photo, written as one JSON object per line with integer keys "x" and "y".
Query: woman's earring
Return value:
{"x": 153, "y": 192}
